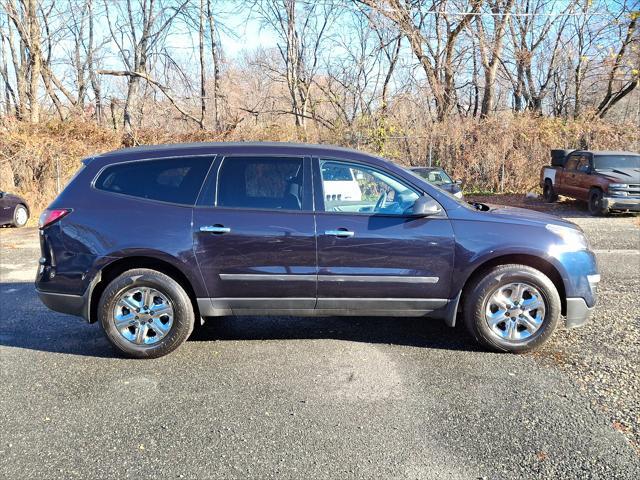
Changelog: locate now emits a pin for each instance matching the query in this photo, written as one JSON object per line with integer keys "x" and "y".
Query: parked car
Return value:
{"x": 605, "y": 180}
{"x": 13, "y": 210}
{"x": 437, "y": 176}
{"x": 147, "y": 241}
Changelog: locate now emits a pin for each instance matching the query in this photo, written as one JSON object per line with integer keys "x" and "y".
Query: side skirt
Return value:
{"x": 323, "y": 307}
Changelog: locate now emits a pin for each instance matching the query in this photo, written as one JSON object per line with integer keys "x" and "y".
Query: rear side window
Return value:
{"x": 175, "y": 180}
{"x": 273, "y": 183}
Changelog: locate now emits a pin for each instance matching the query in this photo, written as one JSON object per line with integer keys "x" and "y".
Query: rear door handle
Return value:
{"x": 215, "y": 229}
{"x": 342, "y": 233}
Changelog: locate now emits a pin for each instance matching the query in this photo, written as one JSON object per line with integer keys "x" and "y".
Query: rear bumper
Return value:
{"x": 622, "y": 203}
{"x": 65, "y": 303}
{"x": 78, "y": 305}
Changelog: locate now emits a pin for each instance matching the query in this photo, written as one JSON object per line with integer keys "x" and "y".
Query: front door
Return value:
{"x": 568, "y": 181}
{"x": 373, "y": 256}
{"x": 255, "y": 238}
{"x": 582, "y": 178}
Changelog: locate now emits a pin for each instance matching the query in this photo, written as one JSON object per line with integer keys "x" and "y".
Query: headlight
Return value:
{"x": 573, "y": 240}
{"x": 618, "y": 186}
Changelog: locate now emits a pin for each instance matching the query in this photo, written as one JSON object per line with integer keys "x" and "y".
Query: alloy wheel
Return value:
{"x": 515, "y": 312}
{"x": 143, "y": 315}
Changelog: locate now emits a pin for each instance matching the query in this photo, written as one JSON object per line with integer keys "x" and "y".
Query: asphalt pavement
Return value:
{"x": 321, "y": 398}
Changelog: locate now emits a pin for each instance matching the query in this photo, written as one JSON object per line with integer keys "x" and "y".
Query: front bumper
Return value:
{"x": 622, "y": 203}
{"x": 577, "y": 312}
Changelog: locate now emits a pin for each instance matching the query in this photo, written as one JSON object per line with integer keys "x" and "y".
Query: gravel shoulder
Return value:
{"x": 603, "y": 357}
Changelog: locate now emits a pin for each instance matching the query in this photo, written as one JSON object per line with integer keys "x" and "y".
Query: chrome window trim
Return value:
{"x": 259, "y": 277}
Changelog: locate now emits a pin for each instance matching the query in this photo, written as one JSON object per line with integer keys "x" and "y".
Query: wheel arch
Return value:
{"x": 121, "y": 265}
{"x": 532, "y": 261}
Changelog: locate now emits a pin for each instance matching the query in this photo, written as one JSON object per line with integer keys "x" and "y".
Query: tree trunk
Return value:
{"x": 35, "y": 60}
{"x": 203, "y": 76}
{"x": 216, "y": 68}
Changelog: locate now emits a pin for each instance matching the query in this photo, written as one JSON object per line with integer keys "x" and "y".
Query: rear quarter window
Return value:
{"x": 174, "y": 180}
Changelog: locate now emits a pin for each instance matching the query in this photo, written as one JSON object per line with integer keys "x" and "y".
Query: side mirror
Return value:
{"x": 458, "y": 182}
{"x": 425, "y": 206}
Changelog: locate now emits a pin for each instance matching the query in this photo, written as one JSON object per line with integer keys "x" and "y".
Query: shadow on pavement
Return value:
{"x": 414, "y": 332}
{"x": 29, "y": 324}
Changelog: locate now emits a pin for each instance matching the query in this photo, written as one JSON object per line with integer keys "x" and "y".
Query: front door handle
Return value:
{"x": 341, "y": 232}
{"x": 215, "y": 229}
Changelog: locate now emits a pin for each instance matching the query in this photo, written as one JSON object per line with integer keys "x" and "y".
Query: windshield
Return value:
{"x": 437, "y": 177}
{"x": 609, "y": 162}
{"x": 459, "y": 201}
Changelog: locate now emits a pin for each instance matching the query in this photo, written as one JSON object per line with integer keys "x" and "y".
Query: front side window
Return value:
{"x": 273, "y": 183}
{"x": 365, "y": 190}
{"x": 583, "y": 164}
{"x": 174, "y": 180}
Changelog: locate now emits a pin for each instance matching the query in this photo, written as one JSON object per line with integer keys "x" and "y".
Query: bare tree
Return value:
{"x": 490, "y": 52}
{"x": 301, "y": 32}
{"x": 619, "y": 84}
{"x": 537, "y": 39}
{"x": 418, "y": 22}
{"x": 137, "y": 33}
{"x": 27, "y": 58}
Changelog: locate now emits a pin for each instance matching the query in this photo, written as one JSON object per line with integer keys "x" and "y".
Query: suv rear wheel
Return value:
{"x": 145, "y": 313}
{"x": 513, "y": 308}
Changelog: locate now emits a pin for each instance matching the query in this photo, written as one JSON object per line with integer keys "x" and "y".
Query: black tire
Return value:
{"x": 183, "y": 314}
{"x": 20, "y": 220}
{"x": 548, "y": 192}
{"x": 596, "y": 207}
{"x": 478, "y": 294}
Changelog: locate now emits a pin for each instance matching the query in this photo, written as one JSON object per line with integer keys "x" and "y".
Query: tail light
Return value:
{"x": 51, "y": 216}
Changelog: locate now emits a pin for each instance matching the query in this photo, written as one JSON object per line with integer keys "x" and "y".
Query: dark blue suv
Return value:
{"x": 148, "y": 241}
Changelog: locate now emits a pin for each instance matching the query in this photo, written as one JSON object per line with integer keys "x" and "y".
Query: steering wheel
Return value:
{"x": 380, "y": 204}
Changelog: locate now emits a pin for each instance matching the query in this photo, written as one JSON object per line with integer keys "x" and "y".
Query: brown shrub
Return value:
{"x": 502, "y": 153}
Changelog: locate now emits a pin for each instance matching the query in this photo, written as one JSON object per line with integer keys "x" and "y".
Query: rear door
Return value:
{"x": 373, "y": 257}
{"x": 254, "y": 235}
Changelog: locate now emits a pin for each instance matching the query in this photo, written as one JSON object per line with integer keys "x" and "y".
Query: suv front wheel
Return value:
{"x": 513, "y": 308}
{"x": 145, "y": 313}
{"x": 596, "y": 203}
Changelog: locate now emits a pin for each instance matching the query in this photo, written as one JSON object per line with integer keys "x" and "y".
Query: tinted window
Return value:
{"x": 175, "y": 180}
{"x": 260, "y": 182}
{"x": 370, "y": 191}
